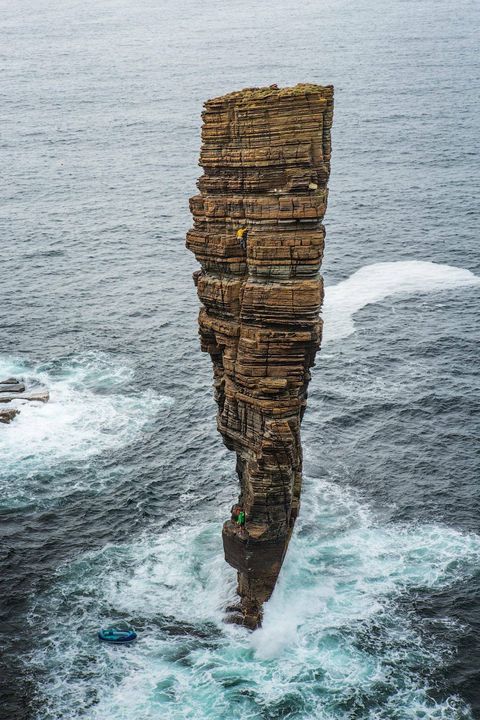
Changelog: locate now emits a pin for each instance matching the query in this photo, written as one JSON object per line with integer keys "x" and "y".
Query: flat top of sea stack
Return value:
{"x": 271, "y": 92}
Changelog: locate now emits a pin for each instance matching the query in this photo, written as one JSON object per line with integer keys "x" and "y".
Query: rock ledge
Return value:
{"x": 11, "y": 390}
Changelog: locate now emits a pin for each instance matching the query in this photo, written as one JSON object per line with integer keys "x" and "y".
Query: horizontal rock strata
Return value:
{"x": 12, "y": 390}
{"x": 259, "y": 238}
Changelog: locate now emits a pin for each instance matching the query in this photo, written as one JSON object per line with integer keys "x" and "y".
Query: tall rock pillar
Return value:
{"x": 266, "y": 161}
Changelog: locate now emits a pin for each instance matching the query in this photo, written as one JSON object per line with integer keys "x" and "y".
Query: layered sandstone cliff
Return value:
{"x": 266, "y": 160}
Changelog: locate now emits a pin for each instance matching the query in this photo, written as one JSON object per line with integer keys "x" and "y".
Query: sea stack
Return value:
{"x": 259, "y": 239}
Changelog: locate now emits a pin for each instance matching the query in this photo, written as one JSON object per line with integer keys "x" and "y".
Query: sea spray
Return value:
{"x": 91, "y": 411}
{"x": 339, "y": 639}
{"x": 334, "y": 638}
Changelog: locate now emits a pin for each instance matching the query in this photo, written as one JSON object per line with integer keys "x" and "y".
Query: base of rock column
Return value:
{"x": 258, "y": 564}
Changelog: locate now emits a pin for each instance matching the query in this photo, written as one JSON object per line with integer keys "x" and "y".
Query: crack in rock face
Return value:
{"x": 259, "y": 238}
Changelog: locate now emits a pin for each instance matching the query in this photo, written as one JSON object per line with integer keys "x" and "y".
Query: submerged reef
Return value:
{"x": 259, "y": 238}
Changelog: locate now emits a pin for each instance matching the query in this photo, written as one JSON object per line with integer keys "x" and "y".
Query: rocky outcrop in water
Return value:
{"x": 259, "y": 238}
{"x": 13, "y": 390}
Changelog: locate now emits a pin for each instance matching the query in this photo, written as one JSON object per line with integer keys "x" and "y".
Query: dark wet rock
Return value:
{"x": 16, "y": 387}
{"x": 235, "y": 619}
{"x": 233, "y": 608}
{"x": 7, "y": 415}
{"x": 11, "y": 391}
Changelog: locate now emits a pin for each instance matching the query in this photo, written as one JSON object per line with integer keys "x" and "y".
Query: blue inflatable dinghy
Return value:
{"x": 120, "y": 632}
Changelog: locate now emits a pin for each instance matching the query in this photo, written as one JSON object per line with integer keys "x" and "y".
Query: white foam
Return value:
{"x": 374, "y": 283}
{"x": 87, "y": 414}
{"x": 342, "y": 576}
{"x": 356, "y": 565}
{"x": 191, "y": 588}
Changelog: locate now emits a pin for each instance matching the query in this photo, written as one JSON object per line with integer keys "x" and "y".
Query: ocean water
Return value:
{"x": 113, "y": 494}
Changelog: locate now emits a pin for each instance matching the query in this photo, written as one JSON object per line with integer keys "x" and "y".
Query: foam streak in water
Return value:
{"x": 374, "y": 283}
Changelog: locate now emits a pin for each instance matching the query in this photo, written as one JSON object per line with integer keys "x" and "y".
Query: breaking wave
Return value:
{"x": 89, "y": 413}
{"x": 335, "y": 643}
{"x": 340, "y": 639}
{"x": 373, "y": 283}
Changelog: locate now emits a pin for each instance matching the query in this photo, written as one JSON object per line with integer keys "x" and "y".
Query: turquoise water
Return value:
{"x": 113, "y": 494}
{"x": 337, "y": 640}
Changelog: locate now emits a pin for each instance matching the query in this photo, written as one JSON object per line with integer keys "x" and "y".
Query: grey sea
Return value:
{"x": 113, "y": 493}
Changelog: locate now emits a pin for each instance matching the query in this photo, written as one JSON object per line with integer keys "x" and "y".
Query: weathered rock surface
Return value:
{"x": 8, "y": 414}
{"x": 266, "y": 161}
{"x": 12, "y": 390}
{"x": 15, "y": 387}
{"x": 40, "y": 396}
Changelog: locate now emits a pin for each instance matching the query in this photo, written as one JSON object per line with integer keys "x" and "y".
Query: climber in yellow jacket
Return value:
{"x": 242, "y": 237}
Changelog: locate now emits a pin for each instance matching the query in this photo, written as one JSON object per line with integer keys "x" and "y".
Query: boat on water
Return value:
{"x": 119, "y": 632}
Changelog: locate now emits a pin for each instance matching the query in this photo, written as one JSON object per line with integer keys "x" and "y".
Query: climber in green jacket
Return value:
{"x": 241, "y": 518}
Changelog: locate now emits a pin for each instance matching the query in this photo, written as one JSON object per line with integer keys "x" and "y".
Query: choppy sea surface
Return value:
{"x": 113, "y": 494}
